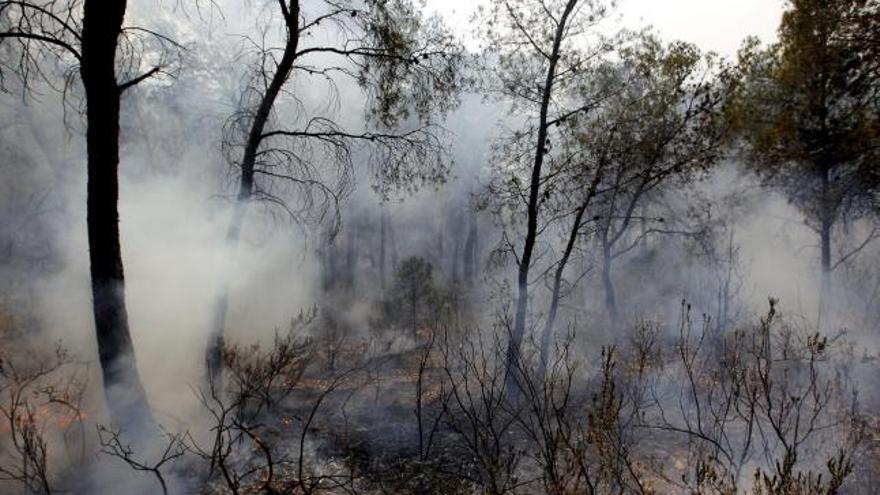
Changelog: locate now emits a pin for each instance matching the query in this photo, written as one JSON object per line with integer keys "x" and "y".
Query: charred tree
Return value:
{"x": 531, "y": 44}
{"x": 546, "y": 59}
{"x": 575, "y": 233}
{"x": 290, "y": 15}
{"x": 394, "y": 255}
{"x": 126, "y": 399}
{"x": 44, "y": 36}
{"x": 406, "y": 65}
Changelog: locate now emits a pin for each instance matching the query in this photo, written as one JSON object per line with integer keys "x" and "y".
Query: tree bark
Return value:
{"x": 126, "y": 399}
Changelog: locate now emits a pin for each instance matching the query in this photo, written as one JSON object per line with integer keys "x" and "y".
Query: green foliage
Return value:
{"x": 412, "y": 64}
{"x": 518, "y": 42}
{"x": 518, "y": 37}
{"x": 663, "y": 116}
{"x": 807, "y": 108}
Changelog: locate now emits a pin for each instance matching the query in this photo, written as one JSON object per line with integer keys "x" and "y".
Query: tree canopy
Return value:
{"x": 808, "y": 111}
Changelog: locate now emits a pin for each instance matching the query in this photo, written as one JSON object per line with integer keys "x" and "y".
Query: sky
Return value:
{"x": 717, "y": 25}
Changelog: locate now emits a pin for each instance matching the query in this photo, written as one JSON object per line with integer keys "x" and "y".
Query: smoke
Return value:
{"x": 177, "y": 195}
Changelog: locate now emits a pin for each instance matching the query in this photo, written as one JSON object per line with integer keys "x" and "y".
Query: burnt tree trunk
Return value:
{"x": 608, "y": 284}
{"x": 456, "y": 250}
{"x": 826, "y": 220}
{"x": 547, "y": 335}
{"x": 724, "y": 291}
{"x": 413, "y": 307}
{"x": 213, "y": 357}
{"x": 392, "y": 239}
{"x": 326, "y": 255}
{"x": 574, "y": 234}
{"x": 126, "y": 399}
{"x": 518, "y": 331}
{"x": 383, "y": 221}
{"x": 440, "y": 245}
{"x": 351, "y": 254}
{"x": 470, "y": 252}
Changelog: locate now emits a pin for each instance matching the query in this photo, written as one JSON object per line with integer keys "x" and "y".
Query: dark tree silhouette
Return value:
{"x": 538, "y": 55}
{"x": 407, "y": 65}
{"x": 102, "y": 24}
{"x": 36, "y": 37}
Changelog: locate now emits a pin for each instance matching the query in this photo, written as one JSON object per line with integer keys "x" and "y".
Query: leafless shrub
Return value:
{"x": 688, "y": 414}
{"x": 768, "y": 398}
{"x": 113, "y": 445}
{"x": 579, "y": 430}
{"x": 427, "y": 426}
{"x": 479, "y": 414}
{"x": 259, "y": 439}
{"x": 41, "y": 397}
{"x": 260, "y": 378}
